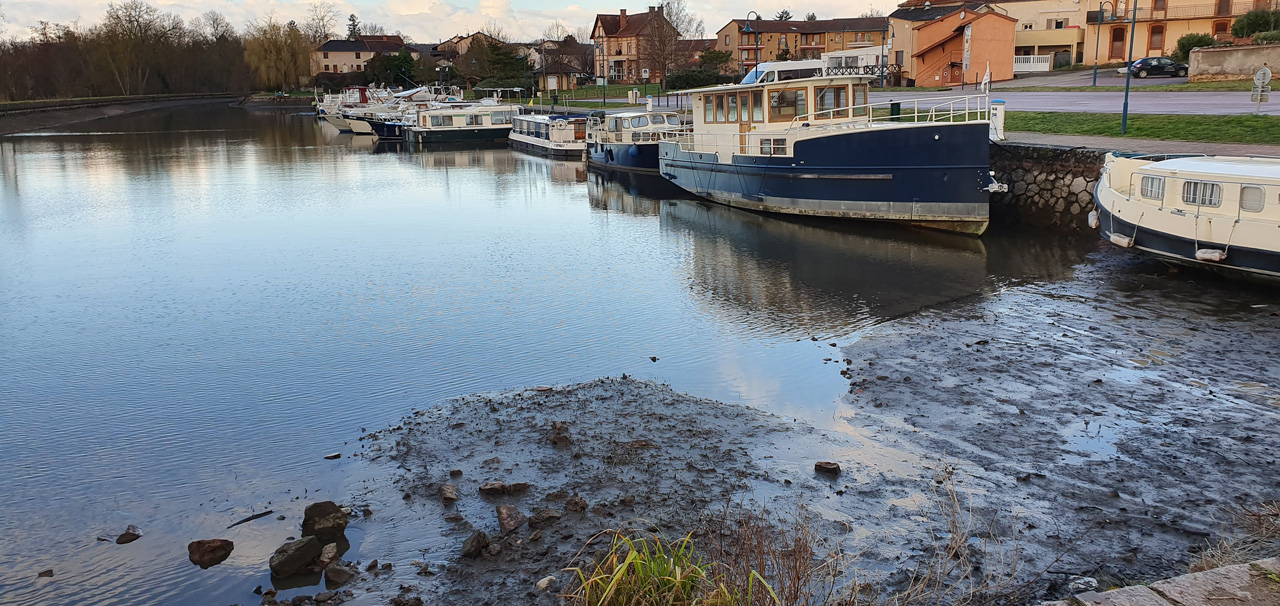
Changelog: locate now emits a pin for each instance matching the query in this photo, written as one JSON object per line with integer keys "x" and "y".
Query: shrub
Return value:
{"x": 1190, "y": 41}
{"x": 693, "y": 78}
{"x": 1266, "y": 37}
{"x": 1254, "y": 22}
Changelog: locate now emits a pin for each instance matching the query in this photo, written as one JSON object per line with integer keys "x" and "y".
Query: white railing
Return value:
{"x": 1032, "y": 63}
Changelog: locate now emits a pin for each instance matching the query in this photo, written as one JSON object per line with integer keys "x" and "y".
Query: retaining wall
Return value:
{"x": 1049, "y": 186}
{"x": 1233, "y": 62}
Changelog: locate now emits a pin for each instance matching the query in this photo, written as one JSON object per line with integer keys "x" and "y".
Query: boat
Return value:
{"x": 629, "y": 140}
{"x": 1216, "y": 212}
{"x": 379, "y": 111}
{"x": 801, "y": 137}
{"x": 550, "y": 135}
{"x": 487, "y": 120}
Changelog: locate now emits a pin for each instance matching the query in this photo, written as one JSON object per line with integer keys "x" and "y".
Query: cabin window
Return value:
{"x": 1153, "y": 188}
{"x": 769, "y": 77}
{"x": 475, "y": 120}
{"x": 441, "y": 120}
{"x": 673, "y": 120}
{"x": 770, "y": 147}
{"x": 613, "y": 125}
{"x": 1251, "y": 198}
{"x": 1201, "y": 193}
{"x": 757, "y": 106}
{"x": 733, "y": 108}
{"x": 860, "y": 99}
{"x": 500, "y": 118}
{"x": 708, "y": 110}
{"x": 719, "y": 108}
{"x": 787, "y": 104}
{"x": 831, "y": 99}
{"x": 639, "y": 121}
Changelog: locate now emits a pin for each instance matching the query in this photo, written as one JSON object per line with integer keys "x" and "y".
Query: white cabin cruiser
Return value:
{"x": 557, "y": 136}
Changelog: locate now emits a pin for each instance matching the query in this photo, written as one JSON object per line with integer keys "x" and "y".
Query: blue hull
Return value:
{"x": 387, "y": 130}
{"x": 641, "y": 157}
{"x": 1241, "y": 262}
{"x": 930, "y": 175}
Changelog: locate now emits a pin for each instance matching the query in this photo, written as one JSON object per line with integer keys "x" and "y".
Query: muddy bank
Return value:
{"x": 27, "y": 122}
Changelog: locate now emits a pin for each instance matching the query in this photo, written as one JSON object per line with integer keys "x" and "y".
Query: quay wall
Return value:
{"x": 1050, "y": 186}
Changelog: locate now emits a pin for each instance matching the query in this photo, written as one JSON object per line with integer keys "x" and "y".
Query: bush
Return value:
{"x": 693, "y": 78}
{"x": 1190, "y": 41}
{"x": 1266, "y": 37}
{"x": 1255, "y": 22}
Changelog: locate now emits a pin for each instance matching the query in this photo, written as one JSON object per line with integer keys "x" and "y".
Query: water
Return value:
{"x": 197, "y": 305}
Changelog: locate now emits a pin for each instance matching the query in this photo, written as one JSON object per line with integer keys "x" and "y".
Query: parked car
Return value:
{"x": 1155, "y": 66}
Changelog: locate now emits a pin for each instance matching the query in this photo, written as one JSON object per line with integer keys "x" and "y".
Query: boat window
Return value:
{"x": 500, "y": 118}
{"x": 719, "y": 108}
{"x": 579, "y": 131}
{"x": 1251, "y": 198}
{"x": 708, "y": 115}
{"x": 770, "y": 147}
{"x": 769, "y": 77}
{"x": 795, "y": 74}
{"x": 1153, "y": 187}
{"x": 673, "y": 120}
{"x": 475, "y": 120}
{"x": 639, "y": 121}
{"x": 757, "y": 106}
{"x": 1201, "y": 193}
{"x": 831, "y": 99}
{"x": 786, "y": 104}
{"x": 613, "y": 125}
{"x": 733, "y": 108}
{"x": 860, "y": 99}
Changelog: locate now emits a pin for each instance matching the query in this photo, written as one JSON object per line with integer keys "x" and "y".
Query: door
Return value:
{"x": 744, "y": 124}
{"x": 1117, "y": 43}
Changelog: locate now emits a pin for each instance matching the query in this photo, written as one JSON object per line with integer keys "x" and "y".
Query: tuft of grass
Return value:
{"x": 1215, "y": 129}
{"x": 1253, "y": 534}
{"x": 641, "y": 570}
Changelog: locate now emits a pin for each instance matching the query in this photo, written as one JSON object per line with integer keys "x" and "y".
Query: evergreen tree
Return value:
{"x": 783, "y": 15}
{"x": 811, "y": 17}
{"x": 353, "y": 28}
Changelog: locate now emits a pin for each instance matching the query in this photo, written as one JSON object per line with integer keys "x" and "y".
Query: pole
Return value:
{"x": 1128, "y": 71}
{"x": 1097, "y": 44}
{"x": 884, "y": 33}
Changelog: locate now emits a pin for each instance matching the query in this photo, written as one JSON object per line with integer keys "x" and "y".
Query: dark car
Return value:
{"x": 1157, "y": 66}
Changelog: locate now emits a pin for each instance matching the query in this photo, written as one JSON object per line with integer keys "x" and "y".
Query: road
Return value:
{"x": 1106, "y": 77}
{"x": 1216, "y": 103}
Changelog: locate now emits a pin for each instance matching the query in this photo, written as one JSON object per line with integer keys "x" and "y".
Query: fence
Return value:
{"x": 1032, "y": 63}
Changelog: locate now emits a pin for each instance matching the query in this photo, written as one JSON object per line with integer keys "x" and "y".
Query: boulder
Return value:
{"x": 129, "y": 535}
{"x": 209, "y": 552}
{"x": 827, "y": 467}
{"x": 293, "y": 556}
{"x": 324, "y": 520}
{"x": 336, "y": 575}
{"x": 328, "y": 555}
{"x": 448, "y": 493}
{"x": 493, "y": 488}
{"x": 475, "y": 544}
{"x": 510, "y": 518}
{"x": 544, "y": 518}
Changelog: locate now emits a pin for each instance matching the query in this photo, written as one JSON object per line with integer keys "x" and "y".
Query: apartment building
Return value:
{"x": 767, "y": 39}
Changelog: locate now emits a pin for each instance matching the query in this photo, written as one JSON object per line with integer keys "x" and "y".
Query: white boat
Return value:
{"x": 557, "y": 136}
{"x": 487, "y": 120}
{"x": 366, "y": 109}
{"x": 629, "y": 140}
{"x": 1215, "y": 212}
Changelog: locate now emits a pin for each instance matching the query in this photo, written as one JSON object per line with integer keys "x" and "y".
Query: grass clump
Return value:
{"x": 1253, "y": 534}
{"x": 1214, "y": 129}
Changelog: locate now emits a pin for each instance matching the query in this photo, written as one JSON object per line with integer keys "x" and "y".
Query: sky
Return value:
{"x": 427, "y": 20}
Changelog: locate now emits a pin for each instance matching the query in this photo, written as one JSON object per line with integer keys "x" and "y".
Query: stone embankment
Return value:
{"x": 1253, "y": 584}
{"x": 1049, "y": 186}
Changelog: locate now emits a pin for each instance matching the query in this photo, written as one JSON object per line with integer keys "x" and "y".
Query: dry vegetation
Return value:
{"x": 1253, "y": 533}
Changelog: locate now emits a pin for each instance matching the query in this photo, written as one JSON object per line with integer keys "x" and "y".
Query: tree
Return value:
{"x": 783, "y": 55}
{"x": 783, "y": 15}
{"x": 555, "y": 31}
{"x": 322, "y": 17}
{"x": 659, "y": 51}
{"x": 396, "y": 69}
{"x": 811, "y": 17}
{"x": 687, "y": 24}
{"x": 353, "y": 27}
{"x": 372, "y": 29}
{"x": 132, "y": 36}
{"x": 277, "y": 53}
{"x": 872, "y": 12}
{"x": 714, "y": 60}
{"x": 213, "y": 26}
{"x": 1254, "y": 22}
{"x": 1191, "y": 41}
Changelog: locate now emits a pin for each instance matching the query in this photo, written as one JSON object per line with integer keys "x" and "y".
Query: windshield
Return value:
{"x": 753, "y": 75}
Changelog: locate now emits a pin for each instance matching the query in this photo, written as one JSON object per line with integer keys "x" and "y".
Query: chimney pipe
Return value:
{"x": 622, "y": 18}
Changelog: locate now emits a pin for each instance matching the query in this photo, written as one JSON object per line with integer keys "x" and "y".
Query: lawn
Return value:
{"x": 1191, "y": 87}
{"x": 1209, "y": 129}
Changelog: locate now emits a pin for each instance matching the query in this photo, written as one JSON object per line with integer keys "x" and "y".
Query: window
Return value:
{"x": 726, "y": 39}
{"x": 1201, "y": 193}
{"x": 1059, "y": 24}
{"x": 733, "y": 108}
{"x": 1251, "y": 198}
{"x": 1156, "y": 38}
{"x": 475, "y": 120}
{"x": 500, "y": 118}
{"x": 673, "y": 120}
{"x": 1028, "y": 26}
{"x": 708, "y": 110}
{"x": 1153, "y": 188}
{"x": 830, "y": 98}
{"x": 326, "y": 67}
{"x": 743, "y": 108}
{"x": 1159, "y": 5}
{"x": 357, "y": 55}
{"x": 757, "y": 106}
{"x": 769, "y": 147}
{"x": 359, "y": 67}
{"x": 860, "y": 99}
{"x": 639, "y": 121}
{"x": 787, "y": 104}
{"x": 326, "y": 55}
{"x": 719, "y": 108}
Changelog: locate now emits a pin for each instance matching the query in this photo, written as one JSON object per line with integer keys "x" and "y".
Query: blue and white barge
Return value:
{"x": 629, "y": 140}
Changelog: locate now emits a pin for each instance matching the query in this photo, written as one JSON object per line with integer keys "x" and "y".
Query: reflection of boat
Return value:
{"x": 555, "y": 136}
{"x": 554, "y": 170}
{"x": 629, "y": 140}
{"x": 640, "y": 189}
{"x": 1219, "y": 213}
{"x": 799, "y": 137}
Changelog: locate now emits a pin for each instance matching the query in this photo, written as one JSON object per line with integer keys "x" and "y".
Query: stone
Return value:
{"x": 1019, "y": 188}
{"x": 544, "y": 518}
{"x": 1126, "y": 596}
{"x": 493, "y": 488}
{"x": 1237, "y": 585}
{"x": 324, "y": 520}
{"x": 1082, "y": 584}
{"x": 209, "y": 552}
{"x": 404, "y": 600}
{"x": 1078, "y": 185}
{"x": 827, "y": 467}
{"x": 372, "y": 566}
{"x": 1084, "y": 198}
{"x": 448, "y": 493}
{"x": 328, "y": 554}
{"x": 336, "y": 455}
{"x": 293, "y": 556}
{"x": 45, "y": 574}
{"x": 510, "y": 518}
{"x": 475, "y": 544}
{"x": 326, "y": 596}
{"x": 457, "y": 473}
{"x": 518, "y": 487}
{"x": 546, "y": 583}
{"x": 1271, "y": 564}
{"x": 301, "y": 600}
{"x": 575, "y": 503}
{"x": 129, "y": 535}
{"x": 336, "y": 575}
{"x": 493, "y": 549}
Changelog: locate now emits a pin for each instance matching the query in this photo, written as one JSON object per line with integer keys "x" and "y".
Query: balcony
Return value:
{"x": 1223, "y": 9}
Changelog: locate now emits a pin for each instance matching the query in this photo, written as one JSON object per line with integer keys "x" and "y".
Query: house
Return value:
{"x": 933, "y": 40}
{"x": 1051, "y": 31}
{"x": 345, "y": 56}
{"x": 799, "y": 39}
{"x": 559, "y": 75}
{"x": 457, "y": 46}
{"x": 1159, "y": 24}
{"x": 619, "y": 41}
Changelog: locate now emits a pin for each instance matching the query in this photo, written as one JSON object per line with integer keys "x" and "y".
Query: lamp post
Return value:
{"x": 1128, "y": 71}
{"x": 884, "y": 44}
{"x": 1097, "y": 43}
{"x": 747, "y": 29}
{"x": 440, "y": 75}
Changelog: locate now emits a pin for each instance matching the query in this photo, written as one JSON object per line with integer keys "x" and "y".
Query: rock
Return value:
{"x": 404, "y": 600}
{"x": 385, "y": 566}
{"x": 457, "y": 473}
{"x": 336, "y": 575}
{"x": 575, "y": 503}
{"x": 546, "y": 583}
{"x": 494, "y": 462}
{"x": 518, "y": 487}
{"x": 324, "y": 520}
{"x": 129, "y": 535}
{"x": 544, "y": 518}
{"x": 280, "y": 517}
{"x": 454, "y": 517}
{"x": 493, "y": 549}
{"x": 209, "y": 552}
{"x": 45, "y": 574}
{"x": 510, "y": 518}
{"x": 448, "y": 493}
{"x": 653, "y": 358}
{"x": 293, "y": 556}
{"x": 1238, "y": 584}
{"x": 827, "y": 467}
{"x": 301, "y": 600}
{"x": 475, "y": 544}
{"x": 1136, "y": 595}
{"x": 493, "y": 488}
{"x": 326, "y": 596}
{"x": 328, "y": 555}
{"x": 372, "y": 566}
{"x": 336, "y": 455}
{"x": 1082, "y": 584}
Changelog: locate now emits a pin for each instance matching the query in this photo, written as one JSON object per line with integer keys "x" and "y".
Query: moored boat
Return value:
{"x": 556, "y": 136}
{"x": 629, "y": 140}
{"x": 1215, "y": 212}
{"x": 487, "y": 120}
{"x": 800, "y": 137}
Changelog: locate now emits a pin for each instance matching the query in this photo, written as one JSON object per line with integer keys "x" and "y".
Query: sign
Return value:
{"x": 1261, "y": 92}
{"x": 1262, "y": 77}
{"x": 600, "y": 82}
{"x": 968, "y": 42}
{"x": 644, "y": 73}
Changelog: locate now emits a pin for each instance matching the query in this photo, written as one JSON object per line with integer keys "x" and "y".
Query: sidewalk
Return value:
{"x": 1146, "y": 146}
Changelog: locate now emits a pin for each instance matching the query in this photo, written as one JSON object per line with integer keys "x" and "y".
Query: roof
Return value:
{"x": 609, "y": 23}
{"x": 929, "y": 13}
{"x": 560, "y": 67}
{"x": 820, "y": 26}
{"x": 1262, "y": 169}
{"x": 377, "y": 44}
{"x": 958, "y": 29}
{"x": 695, "y": 45}
{"x": 635, "y": 25}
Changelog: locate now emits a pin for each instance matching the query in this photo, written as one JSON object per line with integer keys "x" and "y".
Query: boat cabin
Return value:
{"x": 554, "y": 129}
{"x": 437, "y": 116}
{"x": 634, "y": 127}
{"x": 1241, "y": 189}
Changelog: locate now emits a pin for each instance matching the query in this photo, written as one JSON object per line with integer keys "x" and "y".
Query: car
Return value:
{"x": 1155, "y": 66}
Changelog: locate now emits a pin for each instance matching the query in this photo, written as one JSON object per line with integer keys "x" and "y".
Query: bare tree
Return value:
{"x": 372, "y": 29}
{"x": 131, "y": 36}
{"x": 212, "y": 25}
{"x": 556, "y": 31}
{"x": 495, "y": 30}
{"x": 659, "y": 50}
{"x": 322, "y": 18}
{"x": 872, "y": 12}
{"x": 687, "y": 24}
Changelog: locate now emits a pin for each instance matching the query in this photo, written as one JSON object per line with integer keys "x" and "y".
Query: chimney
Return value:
{"x": 622, "y": 18}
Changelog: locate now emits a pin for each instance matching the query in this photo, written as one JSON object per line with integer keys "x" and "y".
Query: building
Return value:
{"x": 559, "y": 75}
{"x": 1050, "y": 31}
{"x": 620, "y": 40}
{"x": 457, "y": 46}
{"x": 797, "y": 39}
{"x": 931, "y": 41}
{"x": 1159, "y": 24}
{"x": 346, "y": 56}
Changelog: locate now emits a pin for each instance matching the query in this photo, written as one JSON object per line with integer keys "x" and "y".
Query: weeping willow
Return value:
{"x": 277, "y": 53}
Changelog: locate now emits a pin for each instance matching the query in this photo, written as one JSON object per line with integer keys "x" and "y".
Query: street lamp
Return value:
{"x": 884, "y": 44}
{"x": 1128, "y": 71}
{"x": 747, "y": 29}
{"x": 1097, "y": 43}
{"x": 440, "y": 75}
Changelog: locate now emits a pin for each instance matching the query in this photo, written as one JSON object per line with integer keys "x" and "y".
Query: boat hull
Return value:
{"x": 337, "y": 122}
{"x": 931, "y": 175}
{"x": 571, "y": 153}
{"x": 388, "y": 130}
{"x": 456, "y": 135}
{"x": 642, "y": 158}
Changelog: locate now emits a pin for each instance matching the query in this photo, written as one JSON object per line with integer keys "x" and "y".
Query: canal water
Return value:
{"x": 197, "y": 305}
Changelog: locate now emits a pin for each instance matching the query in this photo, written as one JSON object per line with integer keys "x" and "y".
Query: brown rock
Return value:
{"x": 336, "y": 455}
{"x": 493, "y": 488}
{"x": 210, "y": 552}
{"x": 544, "y": 518}
{"x": 827, "y": 467}
{"x": 372, "y": 566}
{"x": 1127, "y": 596}
{"x": 448, "y": 493}
{"x": 457, "y": 473}
{"x": 129, "y": 535}
{"x": 336, "y": 575}
{"x": 324, "y": 520}
{"x": 575, "y": 503}
{"x": 45, "y": 574}
{"x": 328, "y": 555}
{"x": 510, "y": 518}
{"x": 475, "y": 544}
{"x": 293, "y": 556}
{"x": 1237, "y": 585}
{"x": 518, "y": 487}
